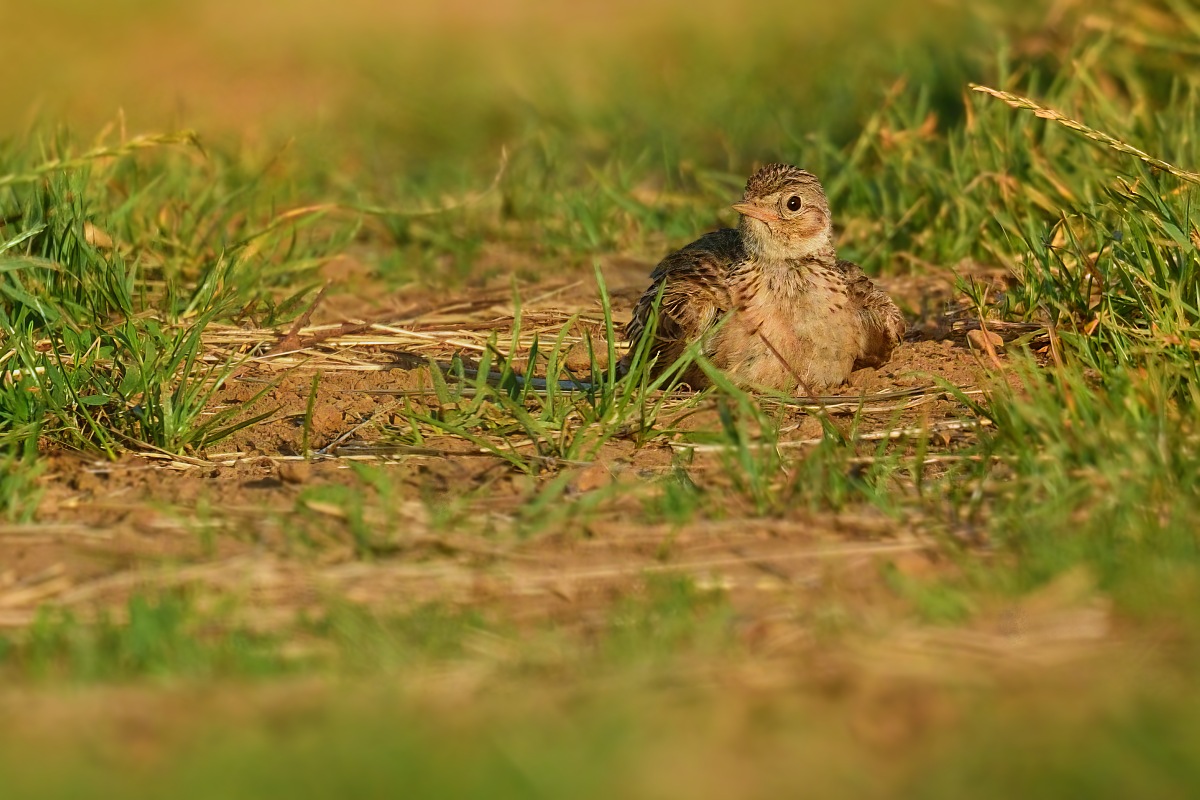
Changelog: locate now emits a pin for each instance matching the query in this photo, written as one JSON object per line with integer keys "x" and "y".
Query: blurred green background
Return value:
{"x": 446, "y": 78}
{"x": 627, "y": 126}
{"x": 374, "y": 93}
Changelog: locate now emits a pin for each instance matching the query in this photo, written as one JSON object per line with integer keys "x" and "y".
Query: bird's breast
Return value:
{"x": 791, "y": 329}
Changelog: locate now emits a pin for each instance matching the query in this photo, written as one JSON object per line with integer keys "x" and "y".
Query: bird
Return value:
{"x": 769, "y": 301}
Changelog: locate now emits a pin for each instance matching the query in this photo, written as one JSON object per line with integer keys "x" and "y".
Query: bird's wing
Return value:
{"x": 695, "y": 295}
{"x": 882, "y": 320}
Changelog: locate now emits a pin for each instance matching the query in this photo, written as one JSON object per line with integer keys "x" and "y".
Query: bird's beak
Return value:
{"x": 756, "y": 211}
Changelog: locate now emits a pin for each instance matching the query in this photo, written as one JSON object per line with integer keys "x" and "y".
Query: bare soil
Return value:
{"x": 251, "y": 516}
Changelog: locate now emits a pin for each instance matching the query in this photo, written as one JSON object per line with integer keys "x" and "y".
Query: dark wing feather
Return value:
{"x": 695, "y": 297}
{"x": 881, "y": 317}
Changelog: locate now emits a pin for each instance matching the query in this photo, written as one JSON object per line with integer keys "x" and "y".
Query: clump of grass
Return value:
{"x": 366, "y": 642}
{"x": 162, "y": 636}
{"x": 105, "y": 305}
{"x": 672, "y": 616}
{"x": 19, "y": 491}
{"x": 559, "y": 418}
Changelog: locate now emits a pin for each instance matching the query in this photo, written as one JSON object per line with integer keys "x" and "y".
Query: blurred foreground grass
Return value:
{"x": 661, "y": 701}
{"x": 706, "y": 745}
{"x": 627, "y": 129}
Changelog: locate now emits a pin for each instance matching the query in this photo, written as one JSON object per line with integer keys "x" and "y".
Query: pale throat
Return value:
{"x": 766, "y": 245}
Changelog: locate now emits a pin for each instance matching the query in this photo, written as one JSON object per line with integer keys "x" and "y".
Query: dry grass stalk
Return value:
{"x": 1024, "y": 103}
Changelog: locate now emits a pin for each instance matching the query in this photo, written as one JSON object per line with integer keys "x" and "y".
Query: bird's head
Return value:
{"x": 785, "y": 215}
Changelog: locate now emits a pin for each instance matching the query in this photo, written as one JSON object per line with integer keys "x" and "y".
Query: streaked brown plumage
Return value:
{"x": 772, "y": 305}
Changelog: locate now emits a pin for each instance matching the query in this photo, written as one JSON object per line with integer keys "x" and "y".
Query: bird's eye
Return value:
{"x": 794, "y": 203}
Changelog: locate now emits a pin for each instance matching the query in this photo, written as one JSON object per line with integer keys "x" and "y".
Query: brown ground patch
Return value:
{"x": 259, "y": 524}
{"x": 253, "y": 518}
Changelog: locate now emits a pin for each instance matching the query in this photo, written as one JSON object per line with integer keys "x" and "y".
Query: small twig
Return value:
{"x": 832, "y": 551}
{"x": 900, "y": 433}
{"x": 291, "y": 340}
{"x": 332, "y": 447}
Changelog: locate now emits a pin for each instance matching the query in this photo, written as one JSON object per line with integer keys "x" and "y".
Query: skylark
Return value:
{"x": 770, "y": 302}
